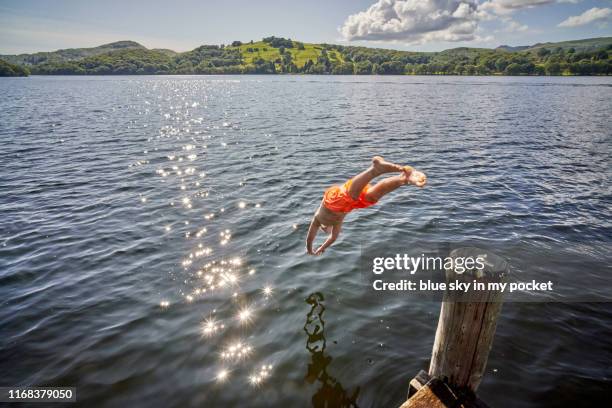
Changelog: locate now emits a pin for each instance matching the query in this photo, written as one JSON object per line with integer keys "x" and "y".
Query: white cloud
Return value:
{"x": 422, "y": 21}
{"x": 590, "y": 16}
{"x": 506, "y": 7}
{"x": 514, "y": 26}
{"x": 414, "y": 21}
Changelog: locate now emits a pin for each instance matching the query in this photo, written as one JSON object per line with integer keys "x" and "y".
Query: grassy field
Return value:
{"x": 299, "y": 57}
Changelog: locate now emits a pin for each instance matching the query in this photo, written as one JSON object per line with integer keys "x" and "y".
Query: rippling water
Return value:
{"x": 152, "y": 234}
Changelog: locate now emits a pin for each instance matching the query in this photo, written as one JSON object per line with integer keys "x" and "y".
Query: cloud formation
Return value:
{"x": 515, "y": 26}
{"x": 420, "y": 21}
{"x": 414, "y": 21}
{"x": 502, "y": 7}
{"x": 509, "y": 6}
{"x": 590, "y": 16}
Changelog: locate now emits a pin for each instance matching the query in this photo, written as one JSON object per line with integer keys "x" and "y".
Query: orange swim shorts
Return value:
{"x": 337, "y": 198}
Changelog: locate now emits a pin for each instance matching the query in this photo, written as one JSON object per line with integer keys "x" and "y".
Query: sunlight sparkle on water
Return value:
{"x": 228, "y": 277}
{"x": 211, "y": 327}
{"x": 245, "y": 315}
{"x": 222, "y": 375}
{"x": 236, "y": 351}
{"x": 260, "y": 376}
{"x": 188, "y": 140}
{"x": 225, "y": 236}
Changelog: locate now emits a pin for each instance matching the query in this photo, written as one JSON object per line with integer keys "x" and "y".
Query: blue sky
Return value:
{"x": 423, "y": 25}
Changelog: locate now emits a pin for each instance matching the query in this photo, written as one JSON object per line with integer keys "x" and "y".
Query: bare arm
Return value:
{"x": 312, "y": 233}
{"x": 331, "y": 239}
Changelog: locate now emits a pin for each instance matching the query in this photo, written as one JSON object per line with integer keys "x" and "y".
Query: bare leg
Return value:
{"x": 379, "y": 166}
{"x": 387, "y": 185}
{"x": 384, "y": 186}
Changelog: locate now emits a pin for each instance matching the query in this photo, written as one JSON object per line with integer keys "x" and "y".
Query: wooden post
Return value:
{"x": 467, "y": 322}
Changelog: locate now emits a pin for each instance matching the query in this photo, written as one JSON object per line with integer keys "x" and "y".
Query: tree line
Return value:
{"x": 12, "y": 70}
{"x": 332, "y": 59}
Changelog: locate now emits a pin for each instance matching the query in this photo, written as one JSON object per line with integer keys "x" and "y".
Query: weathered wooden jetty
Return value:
{"x": 464, "y": 337}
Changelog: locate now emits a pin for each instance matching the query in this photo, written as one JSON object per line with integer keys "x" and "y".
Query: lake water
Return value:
{"x": 152, "y": 235}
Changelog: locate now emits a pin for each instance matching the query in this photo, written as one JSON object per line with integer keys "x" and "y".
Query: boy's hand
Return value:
{"x": 319, "y": 250}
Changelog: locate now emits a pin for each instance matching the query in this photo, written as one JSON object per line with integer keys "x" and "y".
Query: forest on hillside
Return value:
{"x": 276, "y": 55}
{"x": 12, "y": 70}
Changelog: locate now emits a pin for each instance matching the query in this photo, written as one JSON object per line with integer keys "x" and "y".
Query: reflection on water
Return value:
{"x": 331, "y": 394}
{"x": 211, "y": 268}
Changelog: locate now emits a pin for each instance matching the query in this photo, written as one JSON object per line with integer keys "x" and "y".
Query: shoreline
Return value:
{"x": 325, "y": 75}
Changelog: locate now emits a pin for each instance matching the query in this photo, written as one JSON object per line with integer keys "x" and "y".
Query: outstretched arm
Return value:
{"x": 312, "y": 233}
{"x": 330, "y": 240}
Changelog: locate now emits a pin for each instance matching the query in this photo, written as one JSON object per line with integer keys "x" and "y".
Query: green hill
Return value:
{"x": 588, "y": 44}
{"x": 11, "y": 70}
{"x": 70, "y": 54}
{"x": 512, "y": 49}
{"x": 300, "y": 54}
{"x": 165, "y": 51}
{"x": 273, "y": 55}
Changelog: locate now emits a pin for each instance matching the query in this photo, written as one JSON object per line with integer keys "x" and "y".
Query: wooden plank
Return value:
{"x": 423, "y": 378}
{"x": 417, "y": 383}
{"x": 435, "y": 394}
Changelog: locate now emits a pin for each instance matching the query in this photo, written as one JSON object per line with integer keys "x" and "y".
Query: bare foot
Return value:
{"x": 382, "y": 166}
{"x": 412, "y": 176}
{"x": 415, "y": 177}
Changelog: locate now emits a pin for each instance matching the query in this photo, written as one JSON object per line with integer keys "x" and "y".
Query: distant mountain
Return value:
{"x": 70, "y": 54}
{"x": 588, "y": 44}
{"x": 512, "y": 49}
{"x": 274, "y": 55}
